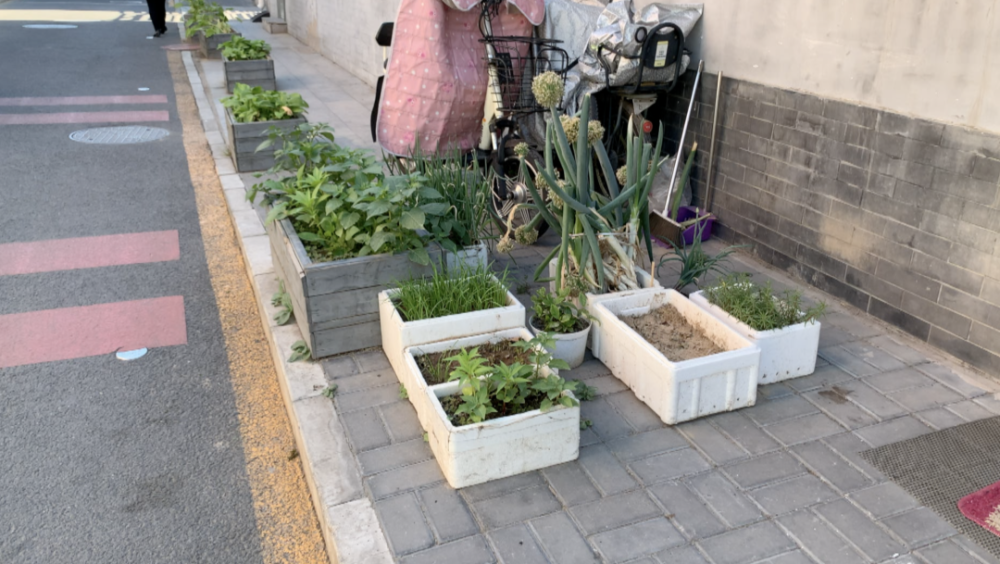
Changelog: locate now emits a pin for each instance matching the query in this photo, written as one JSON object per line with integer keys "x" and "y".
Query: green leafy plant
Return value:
{"x": 508, "y": 389}
{"x": 239, "y": 48}
{"x": 451, "y": 291}
{"x": 695, "y": 263}
{"x": 253, "y": 104}
{"x": 558, "y": 312}
{"x": 300, "y": 351}
{"x": 283, "y": 300}
{"x": 403, "y": 394}
{"x": 330, "y": 391}
{"x": 600, "y": 232}
{"x": 464, "y": 188}
{"x": 361, "y": 218}
{"x": 206, "y": 17}
{"x": 584, "y": 392}
{"x": 586, "y": 424}
{"x": 758, "y": 306}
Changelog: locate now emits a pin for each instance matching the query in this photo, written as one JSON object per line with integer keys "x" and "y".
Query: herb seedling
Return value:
{"x": 695, "y": 263}
{"x": 330, "y": 391}
{"x": 557, "y": 313}
{"x": 283, "y": 300}
{"x": 758, "y": 306}
{"x": 403, "y": 394}
{"x": 450, "y": 292}
{"x": 300, "y": 351}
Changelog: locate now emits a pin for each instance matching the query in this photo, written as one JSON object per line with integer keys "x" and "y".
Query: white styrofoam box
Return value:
{"x": 398, "y": 335}
{"x": 409, "y": 373}
{"x": 502, "y": 447}
{"x": 785, "y": 353}
{"x": 684, "y": 390}
{"x": 647, "y": 282}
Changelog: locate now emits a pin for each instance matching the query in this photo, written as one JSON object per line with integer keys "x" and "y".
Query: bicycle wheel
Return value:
{"x": 509, "y": 190}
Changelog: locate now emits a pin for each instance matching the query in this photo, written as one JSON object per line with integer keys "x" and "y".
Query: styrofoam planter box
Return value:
{"x": 398, "y": 334}
{"x": 412, "y": 379}
{"x": 785, "y": 353}
{"x": 684, "y": 390}
{"x": 498, "y": 448}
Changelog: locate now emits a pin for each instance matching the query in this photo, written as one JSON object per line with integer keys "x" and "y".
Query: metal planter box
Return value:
{"x": 244, "y": 138}
{"x": 210, "y": 45}
{"x": 252, "y": 73}
{"x": 336, "y": 303}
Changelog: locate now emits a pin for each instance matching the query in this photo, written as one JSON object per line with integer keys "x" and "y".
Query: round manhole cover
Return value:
{"x": 49, "y": 26}
{"x": 119, "y": 135}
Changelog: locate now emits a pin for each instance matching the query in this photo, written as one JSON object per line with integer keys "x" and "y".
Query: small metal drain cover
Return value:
{"x": 119, "y": 135}
{"x": 49, "y": 26}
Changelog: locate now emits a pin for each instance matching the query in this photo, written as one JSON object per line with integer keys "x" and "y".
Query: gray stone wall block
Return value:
{"x": 960, "y": 185}
{"x": 850, "y": 113}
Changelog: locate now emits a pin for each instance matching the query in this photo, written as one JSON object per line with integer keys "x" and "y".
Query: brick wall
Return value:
{"x": 897, "y": 216}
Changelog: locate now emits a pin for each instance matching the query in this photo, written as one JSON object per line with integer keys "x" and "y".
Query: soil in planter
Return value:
{"x": 667, "y": 330}
{"x": 452, "y": 403}
{"x": 436, "y": 370}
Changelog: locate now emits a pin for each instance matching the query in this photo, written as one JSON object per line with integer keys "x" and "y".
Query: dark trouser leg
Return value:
{"x": 158, "y": 13}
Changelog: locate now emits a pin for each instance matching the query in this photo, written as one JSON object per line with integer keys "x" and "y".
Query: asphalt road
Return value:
{"x": 101, "y": 460}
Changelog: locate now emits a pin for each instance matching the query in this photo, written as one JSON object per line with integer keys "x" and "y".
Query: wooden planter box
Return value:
{"x": 336, "y": 303}
{"x": 244, "y": 138}
{"x": 210, "y": 45}
{"x": 252, "y": 73}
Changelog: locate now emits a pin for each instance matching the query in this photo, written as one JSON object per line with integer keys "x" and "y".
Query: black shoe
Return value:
{"x": 160, "y": 32}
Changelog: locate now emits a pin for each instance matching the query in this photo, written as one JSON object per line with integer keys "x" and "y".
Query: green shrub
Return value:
{"x": 252, "y": 104}
{"x": 239, "y": 48}
{"x": 758, "y": 307}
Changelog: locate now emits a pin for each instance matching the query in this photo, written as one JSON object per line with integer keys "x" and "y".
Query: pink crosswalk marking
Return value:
{"x": 84, "y": 100}
{"x": 84, "y": 117}
{"x": 77, "y": 332}
{"x": 88, "y": 252}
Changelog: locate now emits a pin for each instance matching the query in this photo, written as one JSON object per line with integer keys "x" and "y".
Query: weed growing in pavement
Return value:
{"x": 758, "y": 306}
{"x": 283, "y": 300}
{"x": 451, "y": 292}
{"x": 293, "y": 454}
{"x": 300, "y": 351}
{"x": 584, "y": 392}
{"x": 330, "y": 392}
{"x": 403, "y": 394}
{"x": 585, "y": 424}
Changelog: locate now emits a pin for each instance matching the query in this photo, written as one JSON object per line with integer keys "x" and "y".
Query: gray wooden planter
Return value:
{"x": 244, "y": 138}
{"x": 336, "y": 303}
{"x": 252, "y": 73}
{"x": 210, "y": 45}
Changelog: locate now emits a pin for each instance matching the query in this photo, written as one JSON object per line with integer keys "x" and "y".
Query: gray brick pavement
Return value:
{"x": 777, "y": 483}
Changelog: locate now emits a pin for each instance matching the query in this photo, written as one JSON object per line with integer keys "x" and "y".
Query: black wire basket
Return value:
{"x": 517, "y": 61}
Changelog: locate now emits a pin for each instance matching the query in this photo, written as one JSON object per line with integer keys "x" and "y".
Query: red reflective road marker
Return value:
{"x": 85, "y": 100}
{"x": 84, "y": 117}
{"x": 76, "y": 332}
{"x": 88, "y": 252}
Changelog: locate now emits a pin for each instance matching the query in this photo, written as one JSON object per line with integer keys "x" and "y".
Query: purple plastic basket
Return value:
{"x": 685, "y": 213}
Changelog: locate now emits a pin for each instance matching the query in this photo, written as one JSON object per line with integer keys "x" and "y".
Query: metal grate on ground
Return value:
{"x": 942, "y": 467}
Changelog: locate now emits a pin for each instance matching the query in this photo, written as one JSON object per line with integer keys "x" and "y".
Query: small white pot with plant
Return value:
{"x": 503, "y": 409}
{"x": 677, "y": 359}
{"x": 786, "y": 333}
{"x": 452, "y": 303}
{"x": 568, "y": 323}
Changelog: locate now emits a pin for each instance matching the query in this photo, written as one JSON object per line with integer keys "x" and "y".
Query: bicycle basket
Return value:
{"x": 517, "y": 61}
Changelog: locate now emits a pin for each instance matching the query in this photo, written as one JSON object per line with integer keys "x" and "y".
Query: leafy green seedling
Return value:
{"x": 283, "y": 300}
{"x": 403, "y": 394}
{"x": 585, "y": 424}
{"x": 300, "y": 351}
{"x": 330, "y": 391}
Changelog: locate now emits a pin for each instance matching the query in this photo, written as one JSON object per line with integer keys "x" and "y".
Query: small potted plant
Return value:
{"x": 451, "y": 303}
{"x": 696, "y": 264}
{"x": 679, "y": 360}
{"x": 786, "y": 332}
{"x": 247, "y": 61}
{"x": 566, "y": 320}
{"x": 503, "y": 408}
{"x": 250, "y": 113}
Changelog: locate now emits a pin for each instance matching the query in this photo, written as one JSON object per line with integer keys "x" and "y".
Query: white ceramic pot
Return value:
{"x": 570, "y": 347}
{"x": 683, "y": 390}
{"x": 785, "y": 353}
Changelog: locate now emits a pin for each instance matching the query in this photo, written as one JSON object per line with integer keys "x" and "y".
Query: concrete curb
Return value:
{"x": 347, "y": 518}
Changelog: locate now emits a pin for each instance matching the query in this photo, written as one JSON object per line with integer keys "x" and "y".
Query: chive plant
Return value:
{"x": 758, "y": 306}
{"x": 461, "y": 290}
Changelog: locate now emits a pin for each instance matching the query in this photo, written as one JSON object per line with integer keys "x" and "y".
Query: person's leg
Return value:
{"x": 157, "y": 14}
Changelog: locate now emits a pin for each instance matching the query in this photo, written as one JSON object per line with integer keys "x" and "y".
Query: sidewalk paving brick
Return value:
{"x": 919, "y": 527}
{"x": 562, "y": 540}
{"x": 721, "y": 495}
{"x": 884, "y": 499}
{"x": 830, "y": 466}
{"x": 804, "y": 429}
{"x": 797, "y": 493}
{"x": 670, "y": 465}
{"x": 520, "y": 505}
{"x": 614, "y": 512}
{"x": 605, "y": 470}
{"x": 748, "y": 545}
{"x": 709, "y": 440}
{"x": 648, "y": 443}
{"x": 690, "y": 511}
{"x": 448, "y": 514}
{"x": 819, "y": 539}
{"x": 515, "y": 544}
{"x": 571, "y": 484}
{"x": 632, "y": 541}
{"x": 854, "y": 525}
{"x": 404, "y": 524}
{"x": 470, "y": 550}
{"x": 687, "y": 554}
{"x": 775, "y": 411}
{"x": 764, "y": 469}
